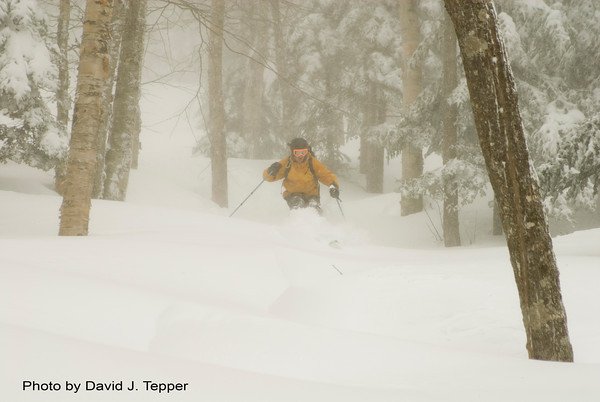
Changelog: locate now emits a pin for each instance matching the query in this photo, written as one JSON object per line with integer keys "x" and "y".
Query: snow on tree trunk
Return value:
{"x": 500, "y": 130}
{"x": 126, "y": 107}
{"x": 252, "y": 123}
{"x": 63, "y": 102}
{"x": 286, "y": 129}
{"x": 218, "y": 145}
{"x": 117, "y": 25}
{"x": 450, "y": 138}
{"x": 91, "y": 82}
{"x": 412, "y": 156}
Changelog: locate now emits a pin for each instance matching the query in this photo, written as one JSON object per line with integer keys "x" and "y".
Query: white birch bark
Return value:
{"x": 91, "y": 81}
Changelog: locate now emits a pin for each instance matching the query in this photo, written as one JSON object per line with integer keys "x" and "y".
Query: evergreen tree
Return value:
{"x": 425, "y": 122}
{"x": 573, "y": 179}
{"x": 28, "y": 130}
{"x": 553, "y": 50}
{"x": 319, "y": 55}
{"x": 371, "y": 82}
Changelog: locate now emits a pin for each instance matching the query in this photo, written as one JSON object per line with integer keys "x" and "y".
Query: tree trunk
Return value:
{"x": 500, "y": 130}
{"x": 286, "y": 125}
{"x": 496, "y": 221}
{"x": 63, "y": 103}
{"x": 136, "y": 146}
{"x": 412, "y": 156}
{"x": 218, "y": 144}
{"x": 450, "y": 139}
{"x": 117, "y": 25}
{"x": 91, "y": 82}
{"x": 375, "y": 152}
{"x": 252, "y": 121}
{"x": 363, "y": 157}
{"x": 126, "y": 107}
{"x": 332, "y": 123}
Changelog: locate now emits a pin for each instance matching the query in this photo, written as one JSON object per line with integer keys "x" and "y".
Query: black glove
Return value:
{"x": 334, "y": 191}
{"x": 274, "y": 168}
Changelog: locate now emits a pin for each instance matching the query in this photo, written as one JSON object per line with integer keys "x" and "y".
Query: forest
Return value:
{"x": 450, "y": 126}
{"x": 330, "y": 72}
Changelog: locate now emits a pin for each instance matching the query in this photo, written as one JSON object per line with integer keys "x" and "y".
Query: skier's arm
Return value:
{"x": 324, "y": 175}
{"x": 280, "y": 173}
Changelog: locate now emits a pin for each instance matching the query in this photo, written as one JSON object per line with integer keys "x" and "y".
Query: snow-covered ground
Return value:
{"x": 260, "y": 307}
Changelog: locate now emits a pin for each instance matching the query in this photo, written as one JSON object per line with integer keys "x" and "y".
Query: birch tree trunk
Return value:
{"x": 126, "y": 107}
{"x": 412, "y": 156}
{"x": 216, "y": 110}
{"x": 450, "y": 137}
{"x": 117, "y": 25}
{"x": 286, "y": 125}
{"x": 500, "y": 130}
{"x": 63, "y": 103}
{"x": 91, "y": 81}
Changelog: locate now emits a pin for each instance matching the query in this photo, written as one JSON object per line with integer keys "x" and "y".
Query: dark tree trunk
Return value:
{"x": 91, "y": 82}
{"x": 500, "y": 130}
{"x": 218, "y": 148}
{"x": 126, "y": 107}
{"x": 450, "y": 140}
{"x": 496, "y": 221}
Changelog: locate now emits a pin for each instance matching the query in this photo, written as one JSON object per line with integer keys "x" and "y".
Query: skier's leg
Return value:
{"x": 295, "y": 201}
{"x": 313, "y": 202}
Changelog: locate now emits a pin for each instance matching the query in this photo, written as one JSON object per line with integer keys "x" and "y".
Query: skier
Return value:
{"x": 301, "y": 173}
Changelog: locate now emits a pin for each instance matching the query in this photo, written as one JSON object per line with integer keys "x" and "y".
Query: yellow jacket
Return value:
{"x": 300, "y": 179}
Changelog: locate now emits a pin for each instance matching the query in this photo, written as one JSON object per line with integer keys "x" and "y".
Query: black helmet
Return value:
{"x": 298, "y": 143}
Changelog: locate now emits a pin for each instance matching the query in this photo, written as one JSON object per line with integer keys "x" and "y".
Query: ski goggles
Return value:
{"x": 299, "y": 153}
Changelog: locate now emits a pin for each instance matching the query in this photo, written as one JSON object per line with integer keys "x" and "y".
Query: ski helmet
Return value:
{"x": 298, "y": 143}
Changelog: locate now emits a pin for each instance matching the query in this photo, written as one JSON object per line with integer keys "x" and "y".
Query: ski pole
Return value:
{"x": 340, "y": 205}
{"x": 249, "y": 195}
